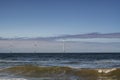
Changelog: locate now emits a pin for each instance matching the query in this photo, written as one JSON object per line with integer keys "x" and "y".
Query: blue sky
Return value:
{"x": 34, "y": 18}
{"x": 60, "y": 19}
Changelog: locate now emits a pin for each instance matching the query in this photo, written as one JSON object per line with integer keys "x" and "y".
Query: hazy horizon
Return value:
{"x": 85, "y": 25}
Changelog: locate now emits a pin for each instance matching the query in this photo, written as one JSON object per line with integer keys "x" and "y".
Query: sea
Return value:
{"x": 59, "y": 66}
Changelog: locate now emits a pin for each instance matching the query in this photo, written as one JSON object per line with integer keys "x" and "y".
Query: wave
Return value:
{"x": 107, "y": 61}
{"x": 63, "y": 72}
{"x": 11, "y": 61}
{"x": 5, "y": 78}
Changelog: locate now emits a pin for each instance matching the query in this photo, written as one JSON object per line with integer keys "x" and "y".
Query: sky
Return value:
{"x": 55, "y": 18}
{"x": 34, "y": 18}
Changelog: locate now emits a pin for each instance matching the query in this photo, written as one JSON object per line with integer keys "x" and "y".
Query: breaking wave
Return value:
{"x": 63, "y": 73}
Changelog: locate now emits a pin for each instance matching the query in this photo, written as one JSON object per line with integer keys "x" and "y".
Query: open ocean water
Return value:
{"x": 59, "y": 66}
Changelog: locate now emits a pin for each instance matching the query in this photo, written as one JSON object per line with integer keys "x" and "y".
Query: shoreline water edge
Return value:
{"x": 60, "y": 66}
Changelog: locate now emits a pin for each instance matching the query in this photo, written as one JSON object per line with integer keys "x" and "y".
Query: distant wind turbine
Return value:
{"x": 11, "y": 47}
{"x": 64, "y": 46}
{"x": 35, "y": 46}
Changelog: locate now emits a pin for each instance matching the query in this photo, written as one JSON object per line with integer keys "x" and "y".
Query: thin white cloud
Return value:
{"x": 101, "y": 40}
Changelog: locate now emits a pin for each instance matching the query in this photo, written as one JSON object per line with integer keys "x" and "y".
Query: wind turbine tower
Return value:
{"x": 64, "y": 46}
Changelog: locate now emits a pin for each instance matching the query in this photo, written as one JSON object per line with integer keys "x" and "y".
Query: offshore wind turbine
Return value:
{"x": 11, "y": 47}
{"x": 63, "y": 46}
{"x": 35, "y": 46}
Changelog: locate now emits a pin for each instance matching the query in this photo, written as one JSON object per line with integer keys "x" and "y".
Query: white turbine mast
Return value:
{"x": 64, "y": 46}
{"x": 35, "y": 46}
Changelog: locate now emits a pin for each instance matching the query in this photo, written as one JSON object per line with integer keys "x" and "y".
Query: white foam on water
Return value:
{"x": 105, "y": 70}
{"x": 107, "y": 61}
